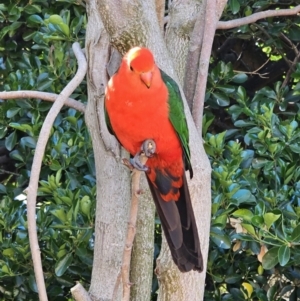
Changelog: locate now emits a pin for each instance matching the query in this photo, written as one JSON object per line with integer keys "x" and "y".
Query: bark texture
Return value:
{"x": 182, "y": 17}
{"x": 113, "y": 180}
{"x": 143, "y": 248}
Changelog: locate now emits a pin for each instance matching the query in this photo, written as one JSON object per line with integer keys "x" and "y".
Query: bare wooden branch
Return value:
{"x": 131, "y": 230}
{"x": 192, "y": 64}
{"x": 79, "y": 293}
{"x": 291, "y": 69}
{"x": 257, "y": 16}
{"x": 211, "y": 19}
{"x": 70, "y": 102}
{"x": 36, "y": 168}
{"x": 160, "y": 11}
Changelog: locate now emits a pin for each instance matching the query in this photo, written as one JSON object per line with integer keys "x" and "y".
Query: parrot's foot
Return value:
{"x": 137, "y": 164}
{"x": 148, "y": 148}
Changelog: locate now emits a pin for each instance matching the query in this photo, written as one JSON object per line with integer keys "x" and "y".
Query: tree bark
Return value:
{"x": 113, "y": 180}
{"x": 143, "y": 248}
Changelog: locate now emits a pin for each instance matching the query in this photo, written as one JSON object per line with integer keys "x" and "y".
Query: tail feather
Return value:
{"x": 179, "y": 225}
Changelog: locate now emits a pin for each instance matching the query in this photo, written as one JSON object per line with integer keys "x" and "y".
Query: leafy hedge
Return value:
{"x": 255, "y": 231}
{"x": 35, "y": 42}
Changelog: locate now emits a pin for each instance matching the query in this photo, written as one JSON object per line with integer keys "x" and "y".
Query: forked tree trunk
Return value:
{"x": 134, "y": 23}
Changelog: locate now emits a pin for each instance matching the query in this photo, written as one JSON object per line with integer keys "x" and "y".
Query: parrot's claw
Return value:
{"x": 137, "y": 164}
{"x": 148, "y": 148}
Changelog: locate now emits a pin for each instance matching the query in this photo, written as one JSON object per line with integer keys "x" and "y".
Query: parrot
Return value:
{"x": 142, "y": 103}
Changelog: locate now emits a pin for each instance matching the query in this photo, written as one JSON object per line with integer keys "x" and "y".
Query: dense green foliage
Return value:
{"x": 35, "y": 43}
{"x": 251, "y": 136}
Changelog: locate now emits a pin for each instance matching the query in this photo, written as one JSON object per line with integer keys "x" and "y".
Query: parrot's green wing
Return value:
{"x": 178, "y": 119}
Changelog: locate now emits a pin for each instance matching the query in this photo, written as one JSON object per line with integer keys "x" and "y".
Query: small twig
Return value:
{"x": 8, "y": 172}
{"x": 36, "y": 168}
{"x": 79, "y": 293}
{"x": 255, "y": 72}
{"x": 286, "y": 39}
{"x": 257, "y": 16}
{"x": 70, "y": 102}
{"x": 292, "y": 68}
{"x": 136, "y": 174}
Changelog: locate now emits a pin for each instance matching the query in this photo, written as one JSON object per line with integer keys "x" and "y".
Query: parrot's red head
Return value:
{"x": 141, "y": 62}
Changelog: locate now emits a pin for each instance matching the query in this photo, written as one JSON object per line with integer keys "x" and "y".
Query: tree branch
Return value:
{"x": 70, "y": 102}
{"x": 257, "y": 16}
{"x": 79, "y": 293}
{"x": 36, "y": 168}
{"x": 131, "y": 230}
{"x": 211, "y": 18}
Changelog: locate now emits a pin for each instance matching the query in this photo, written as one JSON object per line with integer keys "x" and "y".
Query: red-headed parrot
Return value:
{"x": 142, "y": 102}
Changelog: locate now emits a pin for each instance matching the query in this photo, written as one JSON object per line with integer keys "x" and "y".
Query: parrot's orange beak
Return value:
{"x": 146, "y": 78}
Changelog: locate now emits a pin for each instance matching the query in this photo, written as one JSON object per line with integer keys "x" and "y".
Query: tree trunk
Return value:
{"x": 113, "y": 180}
{"x": 132, "y": 23}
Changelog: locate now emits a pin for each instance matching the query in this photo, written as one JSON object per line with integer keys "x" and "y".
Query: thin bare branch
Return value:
{"x": 211, "y": 19}
{"x": 255, "y": 72}
{"x": 292, "y": 68}
{"x": 70, "y": 102}
{"x": 287, "y": 40}
{"x": 257, "y": 16}
{"x": 192, "y": 64}
{"x": 136, "y": 175}
{"x": 36, "y": 168}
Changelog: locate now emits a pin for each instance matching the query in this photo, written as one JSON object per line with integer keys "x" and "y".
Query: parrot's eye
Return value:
{"x": 131, "y": 68}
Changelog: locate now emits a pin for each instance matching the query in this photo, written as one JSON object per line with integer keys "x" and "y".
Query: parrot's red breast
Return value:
{"x": 140, "y": 106}
{"x": 138, "y": 112}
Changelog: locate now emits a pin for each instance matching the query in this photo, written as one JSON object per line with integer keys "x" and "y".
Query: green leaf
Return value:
{"x": 3, "y": 189}
{"x": 243, "y": 196}
{"x": 235, "y": 6}
{"x": 221, "y": 98}
{"x": 257, "y": 221}
{"x": 270, "y": 259}
{"x": 35, "y": 19}
{"x": 32, "y": 283}
{"x": 222, "y": 241}
{"x": 32, "y": 9}
{"x": 270, "y": 218}
{"x": 16, "y": 155}
{"x": 242, "y": 123}
{"x": 239, "y": 78}
{"x": 63, "y": 264}
{"x": 249, "y": 228}
{"x": 245, "y": 214}
{"x": 12, "y": 112}
{"x": 60, "y": 214}
{"x": 233, "y": 278}
{"x": 55, "y": 19}
{"x": 295, "y": 148}
{"x": 11, "y": 141}
{"x": 296, "y": 234}
{"x": 28, "y": 141}
{"x": 22, "y": 127}
{"x": 220, "y": 220}
{"x": 284, "y": 254}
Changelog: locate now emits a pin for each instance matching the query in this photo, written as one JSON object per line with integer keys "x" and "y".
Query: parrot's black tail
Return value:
{"x": 179, "y": 225}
